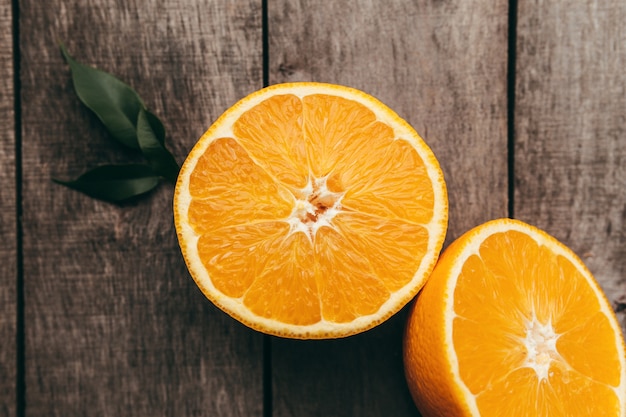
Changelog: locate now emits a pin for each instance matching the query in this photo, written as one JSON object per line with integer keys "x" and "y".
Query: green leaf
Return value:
{"x": 115, "y": 183}
{"x": 157, "y": 126}
{"x": 115, "y": 103}
{"x": 151, "y": 138}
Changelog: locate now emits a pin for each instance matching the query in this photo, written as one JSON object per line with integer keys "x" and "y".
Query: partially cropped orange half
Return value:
{"x": 511, "y": 323}
{"x": 310, "y": 210}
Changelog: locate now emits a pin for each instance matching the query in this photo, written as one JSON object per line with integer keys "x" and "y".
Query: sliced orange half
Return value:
{"x": 310, "y": 210}
{"x": 511, "y": 323}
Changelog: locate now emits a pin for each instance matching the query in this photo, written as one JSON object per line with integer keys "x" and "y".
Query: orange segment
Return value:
{"x": 492, "y": 355}
{"x": 333, "y": 127}
{"x": 480, "y": 286}
{"x": 549, "y": 397}
{"x": 511, "y": 284}
{"x": 512, "y": 323}
{"x": 400, "y": 246}
{"x": 584, "y": 397}
{"x": 354, "y": 161}
{"x": 239, "y": 251}
{"x": 272, "y": 133}
{"x": 521, "y": 382}
{"x": 412, "y": 195}
{"x": 576, "y": 296}
{"x": 310, "y": 211}
{"x": 227, "y": 188}
{"x": 286, "y": 290}
{"x": 595, "y": 334}
{"x": 345, "y": 295}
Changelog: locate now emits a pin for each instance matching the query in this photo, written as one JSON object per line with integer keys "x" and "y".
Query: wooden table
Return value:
{"x": 523, "y": 103}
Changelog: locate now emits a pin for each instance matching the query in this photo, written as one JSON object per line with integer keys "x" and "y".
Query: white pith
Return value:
{"x": 540, "y": 343}
{"x": 315, "y": 207}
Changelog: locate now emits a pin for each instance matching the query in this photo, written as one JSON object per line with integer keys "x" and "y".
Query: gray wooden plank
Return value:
{"x": 115, "y": 326}
{"x": 8, "y": 221}
{"x": 570, "y": 153}
{"x": 442, "y": 66}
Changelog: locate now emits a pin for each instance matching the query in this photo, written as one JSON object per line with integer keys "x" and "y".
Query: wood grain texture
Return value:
{"x": 570, "y": 127}
{"x": 114, "y": 324}
{"x": 8, "y": 221}
{"x": 442, "y": 66}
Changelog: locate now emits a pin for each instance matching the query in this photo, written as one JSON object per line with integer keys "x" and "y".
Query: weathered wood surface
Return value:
{"x": 443, "y": 67}
{"x": 8, "y": 221}
{"x": 114, "y": 324}
{"x": 570, "y": 131}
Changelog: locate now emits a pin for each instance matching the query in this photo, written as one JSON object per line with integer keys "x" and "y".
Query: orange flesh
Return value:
{"x": 245, "y": 190}
{"x": 500, "y": 303}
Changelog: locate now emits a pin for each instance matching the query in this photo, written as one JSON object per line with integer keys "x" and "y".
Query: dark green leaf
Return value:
{"x": 160, "y": 159}
{"x": 157, "y": 127}
{"x": 115, "y": 183}
{"x": 115, "y": 103}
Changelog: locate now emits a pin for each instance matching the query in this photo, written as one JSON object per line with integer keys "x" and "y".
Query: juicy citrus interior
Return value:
{"x": 310, "y": 210}
{"x": 520, "y": 328}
